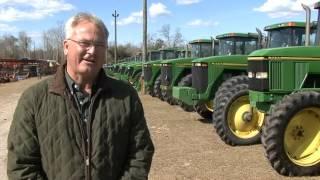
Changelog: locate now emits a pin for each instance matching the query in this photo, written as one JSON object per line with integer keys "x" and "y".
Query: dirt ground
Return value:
{"x": 187, "y": 148}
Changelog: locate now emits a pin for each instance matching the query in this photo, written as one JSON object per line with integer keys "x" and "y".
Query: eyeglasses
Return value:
{"x": 88, "y": 44}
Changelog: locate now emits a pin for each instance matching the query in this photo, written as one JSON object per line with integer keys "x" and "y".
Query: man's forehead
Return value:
{"x": 87, "y": 29}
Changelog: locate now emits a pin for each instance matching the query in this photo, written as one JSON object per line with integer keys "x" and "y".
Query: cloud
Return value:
{"x": 284, "y": 8}
{"x": 135, "y": 17}
{"x": 7, "y": 28}
{"x": 187, "y": 2}
{"x": 200, "y": 22}
{"x": 158, "y": 9}
{"x": 17, "y": 10}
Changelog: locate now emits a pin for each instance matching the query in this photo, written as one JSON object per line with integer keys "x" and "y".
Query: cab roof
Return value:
{"x": 200, "y": 41}
{"x": 233, "y": 34}
{"x": 285, "y": 24}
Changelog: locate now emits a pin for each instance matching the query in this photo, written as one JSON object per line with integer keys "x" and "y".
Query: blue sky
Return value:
{"x": 195, "y": 18}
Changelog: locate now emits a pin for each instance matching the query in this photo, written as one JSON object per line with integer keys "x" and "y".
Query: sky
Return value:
{"x": 193, "y": 18}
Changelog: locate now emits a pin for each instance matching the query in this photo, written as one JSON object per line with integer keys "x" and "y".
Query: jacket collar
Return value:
{"x": 58, "y": 85}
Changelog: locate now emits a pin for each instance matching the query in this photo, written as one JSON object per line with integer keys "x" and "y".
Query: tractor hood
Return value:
{"x": 296, "y": 51}
{"x": 223, "y": 59}
{"x": 134, "y": 64}
{"x": 178, "y": 61}
{"x": 153, "y": 62}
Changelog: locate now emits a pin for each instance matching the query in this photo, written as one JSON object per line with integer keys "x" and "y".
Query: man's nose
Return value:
{"x": 91, "y": 49}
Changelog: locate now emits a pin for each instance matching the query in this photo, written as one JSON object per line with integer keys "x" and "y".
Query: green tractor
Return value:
{"x": 127, "y": 69}
{"x": 183, "y": 53}
{"x": 285, "y": 84}
{"x": 134, "y": 71}
{"x": 152, "y": 69}
{"x": 208, "y": 73}
{"x": 119, "y": 69}
{"x": 178, "y": 71}
{"x": 236, "y": 122}
{"x": 108, "y": 68}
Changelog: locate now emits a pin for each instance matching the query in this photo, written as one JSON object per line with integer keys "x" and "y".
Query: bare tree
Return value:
{"x": 9, "y": 46}
{"x": 124, "y": 51}
{"x": 159, "y": 44}
{"x": 165, "y": 33}
{"x": 177, "y": 39}
{"x": 24, "y": 42}
{"x": 150, "y": 40}
{"x": 53, "y": 43}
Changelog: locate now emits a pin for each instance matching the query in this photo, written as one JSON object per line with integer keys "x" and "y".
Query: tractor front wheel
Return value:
{"x": 291, "y": 135}
{"x": 235, "y": 121}
{"x": 156, "y": 87}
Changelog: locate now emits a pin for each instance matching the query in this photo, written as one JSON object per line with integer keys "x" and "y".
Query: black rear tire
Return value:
{"x": 137, "y": 81}
{"x": 156, "y": 87}
{"x": 203, "y": 110}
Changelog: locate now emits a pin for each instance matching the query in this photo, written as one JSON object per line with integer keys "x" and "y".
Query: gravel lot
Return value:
{"x": 186, "y": 145}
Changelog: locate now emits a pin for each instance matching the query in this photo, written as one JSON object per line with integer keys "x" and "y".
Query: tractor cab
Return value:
{"x": 237, "y": 43}
{"x": 288, "y": 34}
{"x": 154, "y": 55}
{"x": 201, "y": 48}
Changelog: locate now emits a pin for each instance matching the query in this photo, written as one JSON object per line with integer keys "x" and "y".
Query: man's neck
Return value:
{"x": 85, "y": 82}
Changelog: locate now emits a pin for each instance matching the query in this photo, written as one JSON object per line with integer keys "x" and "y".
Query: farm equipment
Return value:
{"x": 14, "y": 69}
{"x": 178, "y": 71}
{"x": 152, "y": 70}
{"x": 236, "y": 122}
{"x": 285, "y": 84}
{"x": 208, "y": 73}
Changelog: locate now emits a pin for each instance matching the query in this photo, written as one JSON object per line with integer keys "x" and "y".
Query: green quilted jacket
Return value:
{"x": 46, "y": 138}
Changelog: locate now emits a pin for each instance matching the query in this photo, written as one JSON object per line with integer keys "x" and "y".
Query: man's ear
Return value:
{"x": 65, "y": 47}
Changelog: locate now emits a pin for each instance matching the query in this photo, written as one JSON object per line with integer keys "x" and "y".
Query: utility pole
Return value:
{"x": 115, "y": 15}
{"x": 144, "y": 51}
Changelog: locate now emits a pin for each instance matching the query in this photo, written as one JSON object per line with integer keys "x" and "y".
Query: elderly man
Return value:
{"x": 80, "y": 124}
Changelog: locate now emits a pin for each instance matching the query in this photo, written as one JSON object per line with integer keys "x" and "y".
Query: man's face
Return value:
{"x": 85, "y": 50}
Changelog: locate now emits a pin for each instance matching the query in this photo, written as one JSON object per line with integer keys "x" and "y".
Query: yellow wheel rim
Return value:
{"x": 302, "y": 137}
{"x": 209, "y": 106}
{"x": 238, "y": 121}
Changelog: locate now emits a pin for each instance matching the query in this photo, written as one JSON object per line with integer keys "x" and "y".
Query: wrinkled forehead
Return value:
{"x": 87, "y": 28}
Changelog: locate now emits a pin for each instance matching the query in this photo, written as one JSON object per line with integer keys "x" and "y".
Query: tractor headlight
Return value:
{"x": 200, "y": 64}
{"x": 250, "y": 75}
{"x": 261, "y": 75}
{"x": 165, "y": 64}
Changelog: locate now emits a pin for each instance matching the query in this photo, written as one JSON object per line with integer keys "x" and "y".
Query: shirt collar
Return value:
{"x": 59, "y": 83}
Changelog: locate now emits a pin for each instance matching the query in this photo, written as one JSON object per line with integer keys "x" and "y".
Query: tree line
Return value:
{"x": 51, "y": 44}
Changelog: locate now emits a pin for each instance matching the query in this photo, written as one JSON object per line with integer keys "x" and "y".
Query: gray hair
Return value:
{"x": 82, "y": 16}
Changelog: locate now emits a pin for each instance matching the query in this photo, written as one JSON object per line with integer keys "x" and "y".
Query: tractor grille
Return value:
{"x": 166, "y": 75}
{"x": 200, "y": 78}
{"x": 255, "y": 83}
{"x": 147, "y": 73}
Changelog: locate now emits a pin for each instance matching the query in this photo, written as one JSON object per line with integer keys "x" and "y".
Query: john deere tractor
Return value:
{"x": 183, "y": 53}
{"x": 151, "y": 69}
{"x": 178, "y": 71}
{"x": 285, "y": 84}
{"x": 119, "y": 69}
{"x": 208, "y": 73}
{"x": 236, "y": 122}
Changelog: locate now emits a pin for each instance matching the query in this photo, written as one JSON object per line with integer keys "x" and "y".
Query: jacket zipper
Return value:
{"x": 83, "y": 147}
{"x": 88, "y": 161}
